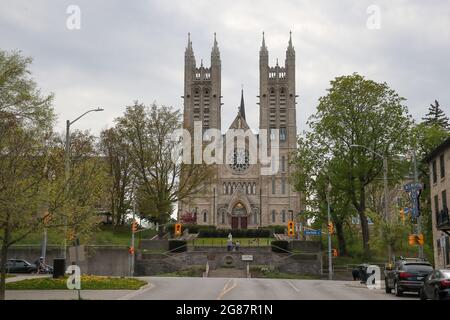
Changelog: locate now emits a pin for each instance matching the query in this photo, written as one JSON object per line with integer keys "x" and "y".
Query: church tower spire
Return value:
{"x": 242, "y": 106}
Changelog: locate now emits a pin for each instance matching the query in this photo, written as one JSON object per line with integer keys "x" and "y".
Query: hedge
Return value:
{"x": 177, "y": 245}
{"x": 237, "y": 233}
{"x": 280, "y": 246}
{"x": 193, "y": 228}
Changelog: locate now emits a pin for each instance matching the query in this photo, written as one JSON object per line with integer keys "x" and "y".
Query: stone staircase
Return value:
{"x": 227, "y": 273}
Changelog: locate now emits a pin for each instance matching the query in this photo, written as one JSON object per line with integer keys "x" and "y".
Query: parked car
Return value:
{"x": 20, "y": 266}
{"x": 407, "y": 275}
{"x": 436, "y": 285}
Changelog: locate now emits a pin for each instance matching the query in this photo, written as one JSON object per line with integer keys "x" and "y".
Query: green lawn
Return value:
{"x": 87, "y": 283}
{"x": 222, "y": 242}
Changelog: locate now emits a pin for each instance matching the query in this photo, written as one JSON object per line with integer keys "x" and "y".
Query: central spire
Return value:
{"x": 263, "y": 45}
{"x": 242, "y": 106}
{"x": 215, "y": 50}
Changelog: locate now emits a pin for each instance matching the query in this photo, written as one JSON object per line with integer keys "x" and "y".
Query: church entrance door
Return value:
{"x": 234, "y": 222}
{"x": 243, "y": 222}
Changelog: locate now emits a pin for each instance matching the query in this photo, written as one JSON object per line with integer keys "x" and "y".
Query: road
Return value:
{"x": 167, "y": 288}
{"x": 256, "y": 289}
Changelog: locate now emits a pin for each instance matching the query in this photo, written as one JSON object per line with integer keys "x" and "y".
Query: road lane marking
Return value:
{"x": 292, "y": 286}
{"x": 140, "y": 291}
{"x": 227, "y": 289}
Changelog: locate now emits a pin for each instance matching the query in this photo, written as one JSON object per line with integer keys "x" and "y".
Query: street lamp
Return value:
{"x": 385, "y": 182}
{"x": 67, "y": 166}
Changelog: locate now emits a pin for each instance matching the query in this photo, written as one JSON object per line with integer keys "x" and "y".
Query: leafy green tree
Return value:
{"x": 161, "y": 182}
{"x": 357, "y": 111}
{"x": 119, "y": 183}
{"x": 436, "y": 116}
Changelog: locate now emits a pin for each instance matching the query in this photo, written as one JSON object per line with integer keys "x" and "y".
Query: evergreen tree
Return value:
{"x": 436, "y": 116}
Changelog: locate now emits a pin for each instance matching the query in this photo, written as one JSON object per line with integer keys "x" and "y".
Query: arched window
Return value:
{"x": 254, "y": 188}
{"x": 223, "y": 217}
{"x": 273, "y": 216}
{"x": 283, "y": 215}
{"x": 225, "y": 188}
{"x": 283, "y": 185}
{"x": 205, "y": 216}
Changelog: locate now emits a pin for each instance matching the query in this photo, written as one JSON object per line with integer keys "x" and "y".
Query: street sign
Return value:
{"x": 247, "y": 257}
{"x": 310, "y": 232}
{"x": 412, "y": 186}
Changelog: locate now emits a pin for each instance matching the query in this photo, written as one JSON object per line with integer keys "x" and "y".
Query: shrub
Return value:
{"x": 277, "y": 228}
{"x": 193, "y": 228}
{"x": 177, "y": 245}
{"x": 280, "y": 246}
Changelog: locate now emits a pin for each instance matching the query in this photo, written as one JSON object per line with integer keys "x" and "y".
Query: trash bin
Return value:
{"x": 363, "y": 272}
{"x": 59, "y": 268}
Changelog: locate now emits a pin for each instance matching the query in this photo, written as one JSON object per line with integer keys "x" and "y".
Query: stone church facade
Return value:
{"x": 238, "y": 195}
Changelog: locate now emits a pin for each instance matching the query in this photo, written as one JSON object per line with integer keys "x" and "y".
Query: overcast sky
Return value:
{"x": 134, "y": 50}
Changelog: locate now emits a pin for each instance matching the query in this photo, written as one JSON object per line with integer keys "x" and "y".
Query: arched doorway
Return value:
{"x": 239, "y": 216}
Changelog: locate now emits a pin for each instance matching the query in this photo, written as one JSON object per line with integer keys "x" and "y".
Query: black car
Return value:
{"x": 436, "y": 285}
{"x": 20, "y": 266}
{"x": 407, "y": 275}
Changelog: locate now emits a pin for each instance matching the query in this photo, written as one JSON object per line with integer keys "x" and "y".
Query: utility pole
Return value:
{"x": 416, "y": 199}
{"x": 132, "y": 238}
{"x": 330, "y": 259}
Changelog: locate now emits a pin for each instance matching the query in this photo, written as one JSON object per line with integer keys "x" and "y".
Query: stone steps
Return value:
{"x": 227, "y": 273}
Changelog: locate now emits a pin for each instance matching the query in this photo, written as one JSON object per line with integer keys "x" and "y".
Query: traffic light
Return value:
{"x": 420, "y": 239}
{"x": 330, "y": 228}
{"x": 412, "y": 239}
{"x": 178, "y": 229}
{"x": 134, "y": 226}
{"x": 70, "y": 235}
{"x": 291, "y": 229}
{"x": 402, "y": 214}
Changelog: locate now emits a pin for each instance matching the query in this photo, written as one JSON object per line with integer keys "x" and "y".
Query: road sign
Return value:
{"x": 247, "y": 257}
{"x": 412, "y": 186}
{"x": 310, "y": 232}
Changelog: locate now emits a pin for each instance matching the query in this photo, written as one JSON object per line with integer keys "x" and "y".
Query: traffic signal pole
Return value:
{"x": 416, "y": 199}
{"x": 330, "y": 259}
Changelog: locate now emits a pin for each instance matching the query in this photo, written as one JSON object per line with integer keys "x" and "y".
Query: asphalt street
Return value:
{"x": 178, "y": 288}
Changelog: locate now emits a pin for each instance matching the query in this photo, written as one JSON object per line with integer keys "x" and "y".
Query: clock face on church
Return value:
{"x": 239, "y": 160}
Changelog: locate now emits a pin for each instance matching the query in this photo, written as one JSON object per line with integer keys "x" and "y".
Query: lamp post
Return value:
{"x": 330, "y": 259}
{"x": 67, "y": 168}
{"x": 385, "y": 187}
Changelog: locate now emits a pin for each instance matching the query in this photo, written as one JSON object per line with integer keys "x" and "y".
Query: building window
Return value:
{"x": 205, "y": 216}
{"x": 436, "y": 204}
{"x": 283, "y": 215}
{"x": 225, "y": 188}
{"x": 223, "y": 218}
{"x": 273, "y": 216}
{"x": 273, "y": 134}
{"x": 283, "y": 163}
{"x": 273, "y": 185}
{"x": 442, "y": 165}
{"x": 254, "y": 188}
{"x": 282, "y": 134}
{"x": 434, "y": 171}
{"x": 444, "y": 199}
{"x": 283, "y": 185}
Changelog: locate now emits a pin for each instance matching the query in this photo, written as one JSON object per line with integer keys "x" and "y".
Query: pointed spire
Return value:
{"x": 277, "y": 62}
{"x": 242, "y": 106}
{"x": 263, "y": 45}
{"x": 189, "y": 50}
{"x": 201, "y": 63}
{"x": 290, "y": 49}
{"x": 215, "y": 50}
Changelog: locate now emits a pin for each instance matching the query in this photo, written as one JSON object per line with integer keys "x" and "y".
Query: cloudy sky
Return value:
{"x": 134, "y": 50}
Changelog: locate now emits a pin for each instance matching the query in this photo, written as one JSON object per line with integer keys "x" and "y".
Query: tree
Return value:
{"x": 357, "y": 111}
{"x": 160, "y": 181}
{"x": 115, "y": 151}
{"x": 436, "y": 116}
{"x": 32, "y": 180}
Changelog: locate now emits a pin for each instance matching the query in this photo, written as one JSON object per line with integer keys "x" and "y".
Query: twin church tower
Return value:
{"x": 238, "y": 196}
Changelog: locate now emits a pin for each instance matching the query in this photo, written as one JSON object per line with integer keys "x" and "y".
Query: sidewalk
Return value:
{"x": 20, "y": 277}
